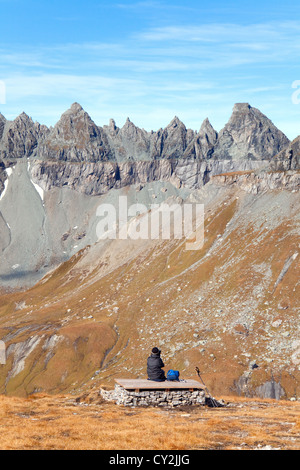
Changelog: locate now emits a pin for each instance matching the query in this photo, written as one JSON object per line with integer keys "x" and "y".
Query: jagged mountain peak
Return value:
{"x": 176, "y": 122}
{"x": 243, "y": 114}
{"x": 75, "y": 137}
{"x": 75, "y": 111}
{"x": 129, "y": 124}
{"x": 76, "y": 105}
{"x": 75, "y": 118}
{"x": 206, "y": 138}
{"x": 206, "y": 126}
{"x": 112, "y": 126}
{"x": 241, "y": 107}
{"x": 249, "y": 134}
{"x": 24, "y": 118}
{"x": 206, "y": 121}
{"x": 242, "y": 110}
{"x": 19, "y": 138}
{"x": 112, "y": 123}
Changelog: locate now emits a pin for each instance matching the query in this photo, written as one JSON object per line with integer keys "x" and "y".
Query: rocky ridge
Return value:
{"x": 113, "y": 157}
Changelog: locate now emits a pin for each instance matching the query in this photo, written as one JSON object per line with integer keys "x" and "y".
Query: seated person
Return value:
{"x": 154, "y": 366}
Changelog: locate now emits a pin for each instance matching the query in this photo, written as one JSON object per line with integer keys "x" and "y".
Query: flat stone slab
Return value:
{"x": 144, "y": 384}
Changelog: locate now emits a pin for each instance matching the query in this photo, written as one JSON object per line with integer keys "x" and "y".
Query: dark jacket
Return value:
{"x": 154, "y": 368}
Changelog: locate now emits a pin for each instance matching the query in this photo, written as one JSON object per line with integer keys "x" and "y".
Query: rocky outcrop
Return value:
{"x": 270, "y": 389}
{"x": 256, "y": 182}
{"x": 295, "y": 154}
{"x": 2, "y": 176}
{"x": 20, "y": 351}
{"x": 289, "y": 158}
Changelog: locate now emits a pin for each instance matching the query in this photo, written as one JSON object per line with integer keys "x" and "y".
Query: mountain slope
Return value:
{"x": 230, "y": 308}
{"x": 77, "y": 311}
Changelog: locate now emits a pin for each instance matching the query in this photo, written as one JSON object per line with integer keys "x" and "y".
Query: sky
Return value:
{"x": 151, "y": 60}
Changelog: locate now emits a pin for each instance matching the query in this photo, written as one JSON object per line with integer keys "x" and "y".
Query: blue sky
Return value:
{"x": 150, "y": 60}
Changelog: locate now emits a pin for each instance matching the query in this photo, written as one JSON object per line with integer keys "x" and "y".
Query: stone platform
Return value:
{"x": 144, "y": 384}
{"x": 142, "y": 392}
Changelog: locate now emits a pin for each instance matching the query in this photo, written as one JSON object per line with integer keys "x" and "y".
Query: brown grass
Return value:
{"x": 64, "y": 423}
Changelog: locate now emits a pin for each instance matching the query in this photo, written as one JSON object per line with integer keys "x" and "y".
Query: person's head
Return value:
{"x": 156, "y": 351}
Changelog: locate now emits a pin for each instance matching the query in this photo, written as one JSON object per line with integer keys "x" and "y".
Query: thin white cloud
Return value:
{"x": 32, "y": 59}
{"x": 166, "y": 49}
{"x": 153, "y": 5}
{"x": 21, "y": 86}
{"x": 228, "y": 32}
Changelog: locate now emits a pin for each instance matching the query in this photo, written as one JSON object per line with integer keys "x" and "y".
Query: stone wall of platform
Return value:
{"x": 175, "y": 397}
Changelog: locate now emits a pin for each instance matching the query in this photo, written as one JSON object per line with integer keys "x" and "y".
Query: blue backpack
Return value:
{"x": 173, "y": 375}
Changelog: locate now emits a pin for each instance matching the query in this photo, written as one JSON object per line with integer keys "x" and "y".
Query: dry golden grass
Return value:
{"x": 48, "y": 423}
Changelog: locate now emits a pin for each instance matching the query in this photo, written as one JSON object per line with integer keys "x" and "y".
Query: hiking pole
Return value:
{"x": 214, "y": 402}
